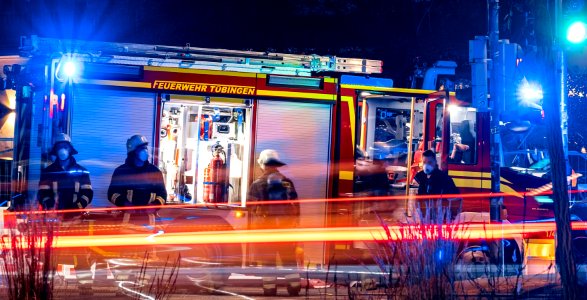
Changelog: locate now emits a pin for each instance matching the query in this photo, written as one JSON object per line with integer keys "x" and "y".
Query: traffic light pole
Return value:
{"x": 561, "y": 79}
{"x": 556, "y": 115}
{"x": 496, "y": 88}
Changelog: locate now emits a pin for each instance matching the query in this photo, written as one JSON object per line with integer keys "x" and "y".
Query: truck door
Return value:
{"x": 382, "y": 153}
{"x": 436, "y": 131}
{"x": 454, "y": 132}
{"x": 465, "y": 154}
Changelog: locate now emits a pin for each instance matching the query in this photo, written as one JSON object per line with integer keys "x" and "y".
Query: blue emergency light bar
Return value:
{"x": 112, "y": 71}
{"x": 366, "y": 81}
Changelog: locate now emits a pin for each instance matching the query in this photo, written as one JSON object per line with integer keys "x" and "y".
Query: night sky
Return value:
{"x": 395, "y": 31}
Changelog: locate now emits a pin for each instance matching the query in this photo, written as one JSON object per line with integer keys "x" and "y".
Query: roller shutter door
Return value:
{"x": 102, "y": 122}
{"x": 300, "y": 132}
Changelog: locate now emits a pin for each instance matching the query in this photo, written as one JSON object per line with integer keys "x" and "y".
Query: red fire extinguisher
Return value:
{"x": 215, "y": 177}
{"x": 208, "y": 184}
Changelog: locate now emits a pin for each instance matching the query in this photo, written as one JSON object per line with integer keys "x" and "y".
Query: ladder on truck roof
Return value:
{"x": 197, "y": 58}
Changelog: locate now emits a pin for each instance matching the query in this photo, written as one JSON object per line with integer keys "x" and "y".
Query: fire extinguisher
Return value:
{"x": 208, "y": 185}
{"x": 215, "y": 176}
{"x": 205, "y": 128}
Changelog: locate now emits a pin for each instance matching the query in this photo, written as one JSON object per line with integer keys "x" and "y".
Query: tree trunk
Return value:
{"x": 558, "y": 166}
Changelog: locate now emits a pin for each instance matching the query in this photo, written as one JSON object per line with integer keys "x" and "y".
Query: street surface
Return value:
{"x": 538, "y": 282}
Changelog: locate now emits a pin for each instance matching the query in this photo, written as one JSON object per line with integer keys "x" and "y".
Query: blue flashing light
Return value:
{"x": 69, "y": 69}
{"x": 530, "y": 94}
{"x": 577, "y": 32}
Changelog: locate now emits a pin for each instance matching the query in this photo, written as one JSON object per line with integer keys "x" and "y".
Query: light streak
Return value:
{"x": 151, "y": 238}
{"x": 281, "y": 202}
{"x": 197, "y": 283}
{"x": 200, "y": 262}
{"x": 121, "y": 285}
{"x": 338, "y": 234}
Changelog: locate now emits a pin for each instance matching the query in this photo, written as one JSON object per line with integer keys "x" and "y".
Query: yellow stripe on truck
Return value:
{"x": 315, "y": 96}
{"x": 469, "y": 174}
{"x": 351, "y": 105}
{"x": 484, "y": 184}
{"x": 475, "y": 175}
{"x": 345, "y": 175}
{"x": 134, "y": 84}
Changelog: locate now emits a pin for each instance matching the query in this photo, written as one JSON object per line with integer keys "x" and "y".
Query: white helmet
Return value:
{"x": 269, "y": 157}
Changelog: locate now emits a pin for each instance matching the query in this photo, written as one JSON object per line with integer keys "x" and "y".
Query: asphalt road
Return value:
{"x": 539, "y": 278}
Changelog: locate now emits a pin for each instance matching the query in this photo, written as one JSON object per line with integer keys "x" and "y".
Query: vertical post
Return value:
{"x": 478, "y": 60}
{"x": 557, "y": 144}
{"x": 496, "y": 97}
{"x": 561, "y": 80}
{"x": 410, "y": 156}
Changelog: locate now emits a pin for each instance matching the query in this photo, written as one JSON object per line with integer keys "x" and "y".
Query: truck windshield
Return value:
{"x": 525, "y": 149}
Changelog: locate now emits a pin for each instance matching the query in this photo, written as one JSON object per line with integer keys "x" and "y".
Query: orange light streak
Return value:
{"x": 375, "y": 233}
{"x": 278, "y": 202}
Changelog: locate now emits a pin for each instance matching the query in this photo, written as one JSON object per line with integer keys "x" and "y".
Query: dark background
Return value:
{"x": 396, "y": 31}
{"x": 399, "y": 32}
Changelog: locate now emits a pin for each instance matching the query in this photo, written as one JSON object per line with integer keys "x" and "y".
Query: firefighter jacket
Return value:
{"x": 137, "y": 186}
{"x": 275, "y": 186}
{"x": 65, "y": 188}
{"x": 439, "y": 183}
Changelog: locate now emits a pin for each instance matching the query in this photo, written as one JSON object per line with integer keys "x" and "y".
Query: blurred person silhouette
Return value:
{"x": 370, "y": 175}
{"x": 274, "y": 186}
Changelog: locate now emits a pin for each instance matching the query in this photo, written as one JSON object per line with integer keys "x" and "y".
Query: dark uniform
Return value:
{"x": 285, "y": 215}
{"x": 65, "y": 185}
{"x": 274, "y": 186}
{"x": 137, "y": 185}
{"x": 64, "y": 189}
{"x": 439, "y": 183}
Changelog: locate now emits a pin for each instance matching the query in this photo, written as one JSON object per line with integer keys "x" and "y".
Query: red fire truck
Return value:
{"x": 208, "y": 113}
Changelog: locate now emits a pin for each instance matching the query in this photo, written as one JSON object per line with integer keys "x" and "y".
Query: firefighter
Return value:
{"x": 137, "y": 183}
{"x": 274, "y": 186}
{"x": 64, "y": 185}
{"x": 433, "y": 181}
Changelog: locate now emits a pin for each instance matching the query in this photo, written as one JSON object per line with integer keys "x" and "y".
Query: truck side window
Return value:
{"x": 463, "y": 135}
{"x": 381, "y": 157}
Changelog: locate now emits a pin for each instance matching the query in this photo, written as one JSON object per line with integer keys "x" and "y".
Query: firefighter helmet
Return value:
{"x": 269, "y": 157}
{"x": 62, "y": 138}
{"x": 136, "y": 141}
